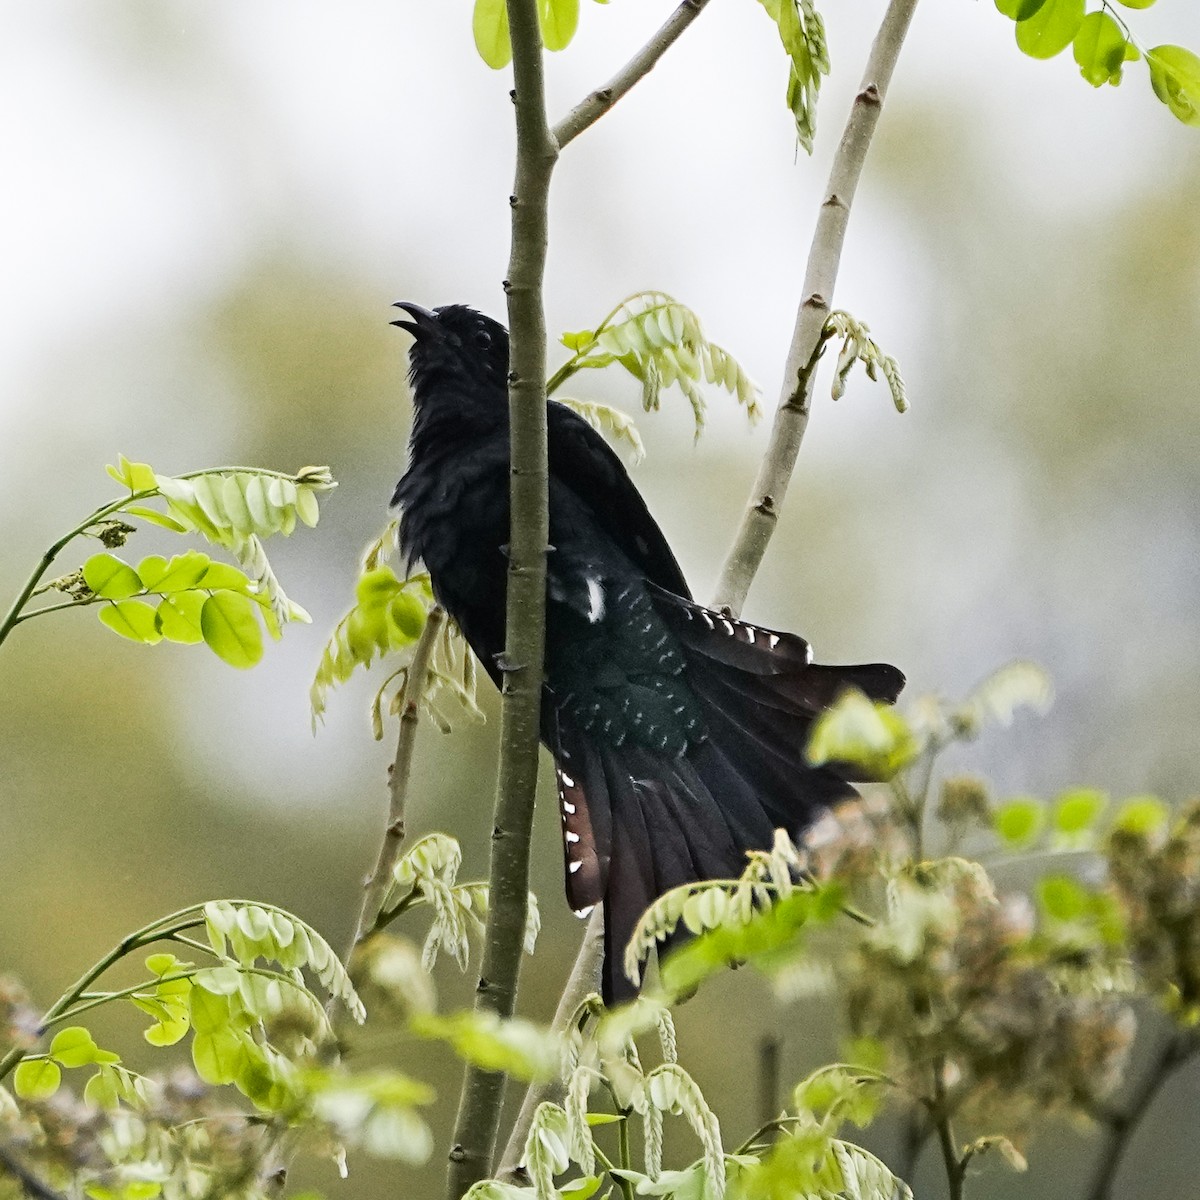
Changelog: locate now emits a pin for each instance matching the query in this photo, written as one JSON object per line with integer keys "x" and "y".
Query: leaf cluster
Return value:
{"x": 1102, "y": 44}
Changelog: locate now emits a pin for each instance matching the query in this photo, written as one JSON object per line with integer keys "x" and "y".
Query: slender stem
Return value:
{"x": 955, "y": 1166}
{"x": 524, "y": 650}
{"x": 768, "y": 1077}
{"x": 583, "y": 981}
{"x": 791, "y": 418}
{"x": 1177, "y": 1050}
{"x": 13, "y": 617}
{"x": 589, "y": 110}
{"x": 50, "y": 608}
{"x": 399, "y": 773}
{"x": 154, "y": 932}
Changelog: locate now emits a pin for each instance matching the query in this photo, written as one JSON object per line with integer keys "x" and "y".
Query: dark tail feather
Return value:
{"x": 637, "y": 823}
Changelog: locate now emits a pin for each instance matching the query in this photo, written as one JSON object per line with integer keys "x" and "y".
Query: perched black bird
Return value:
{"x": 678, "y": 733}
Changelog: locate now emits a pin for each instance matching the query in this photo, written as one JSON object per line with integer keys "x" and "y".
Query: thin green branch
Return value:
{"x": 524, "y": 650}
{"x": 13, "y": 617}
{"x": 791, "y": 418}
{"x": 156, "y": 931}
{"x": 399, "y": 773}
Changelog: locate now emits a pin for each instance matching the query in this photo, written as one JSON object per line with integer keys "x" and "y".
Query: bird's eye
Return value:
{"x": 483, "y": 339}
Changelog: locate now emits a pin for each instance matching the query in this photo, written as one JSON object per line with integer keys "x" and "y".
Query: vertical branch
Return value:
{"x": 483, "y": 1091}
{"x": 824, "y": 257}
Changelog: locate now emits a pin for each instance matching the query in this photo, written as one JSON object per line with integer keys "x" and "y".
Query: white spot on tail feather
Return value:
{"x": 567, "y": 780}
{"x": 585, "y": 912}
{"x": 595, "y": 611}
{"x": 568, "y": 807}
{"x": 574, "y": 866}
{"x": 773, "y": 640}
{"x": 571, "y": 837}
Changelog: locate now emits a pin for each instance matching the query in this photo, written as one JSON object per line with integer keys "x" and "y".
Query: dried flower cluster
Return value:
{"x": 967, "y": 999}
{"x": 1155, "y": 872}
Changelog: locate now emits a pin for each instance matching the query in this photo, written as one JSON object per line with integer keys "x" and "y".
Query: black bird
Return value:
{"x": 678, "y": 732}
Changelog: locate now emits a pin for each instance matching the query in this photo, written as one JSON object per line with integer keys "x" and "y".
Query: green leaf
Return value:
{"x": 1136, "y": 3}
{"x": 1019, "y": 10}
{"x": 559, "y": 19}
{"x": 870, "y": 735}
{"x": 110, "y": 577}
{"x": 594, "y": 1119}
{"x": 1143, "y": 816}
{"x": 490, "y": 27}
{"x": 103, "y": 1090}
{"x": 132, "y": 619}
{"x": 376, "y": 587}
{"x": 179, "y": 617}
{"x": 1076, "y": 811}
{"x": 219, "y": 1056}
{"x": 407, "y": 615}
{"x": 37, "y": 1079}
{"x": 184, "y": 571}
{"x": 1020, "y": 821}
{"x": 1062, "y": 898}
{"x": 1100, "y": 49}
{"x": 137, "y": 477}
{"x": 74, "y": 1047}
{"x": 1051, "y": 29}
{"x": 1175, "y": 77}
{"x": 231, "y": 629}
{"x": 513, "y": 1045}
{"x": 155, "y": 517}
{"x": 222, "y": 575}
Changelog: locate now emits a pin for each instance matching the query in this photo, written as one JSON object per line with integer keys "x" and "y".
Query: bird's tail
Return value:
{"x": 637, "y": 823}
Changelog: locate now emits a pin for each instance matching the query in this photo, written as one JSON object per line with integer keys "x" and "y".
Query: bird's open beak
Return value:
{"x": 423, "y": 321}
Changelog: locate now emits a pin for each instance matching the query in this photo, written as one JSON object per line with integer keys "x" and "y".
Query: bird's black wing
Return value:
{"x": 583, "y": 461}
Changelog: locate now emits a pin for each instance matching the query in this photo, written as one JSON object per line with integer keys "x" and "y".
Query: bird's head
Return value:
{"x": 455, "y": 350}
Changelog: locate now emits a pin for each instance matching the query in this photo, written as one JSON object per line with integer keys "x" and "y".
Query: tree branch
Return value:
{"x": 398, "y": 777}
{"x": 30, "y": 1184}
{"x": 589, "y": 110}
{"x": 522, "y": 665}
{"x": 1177, "y": 1050}
{"x": 791, "y": 417}
{"x": 583, "y": 981}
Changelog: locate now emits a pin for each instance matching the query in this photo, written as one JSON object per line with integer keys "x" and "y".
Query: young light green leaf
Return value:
{"x": 179, "y": 617}
{"x": 74, "y": 1047}
{"x": 137, "y": 477}
{"x": 1077, "y": 811}
{"x": 489, "y": 23}
{"x": 608, "y": 420}
{"x": 559, "y": 19}
{"x": 1101, "y": 49}
{"x": 37, "y": 1079}
{"x": 1175, "y": 77}
{"x": 110, "y": 577}
{"x": 155, "y": 518}
{"x": 1020, "y": 821}
{"x": 182, "y": 572}
{"x": 872, "y": 736}
{"x": 132, "y": 619}
{"x": 230, "y": 629}
{"x": 1051, "y": 29}
{"x": 1143, "y": 816}
{"x": 1019, "y": 10}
